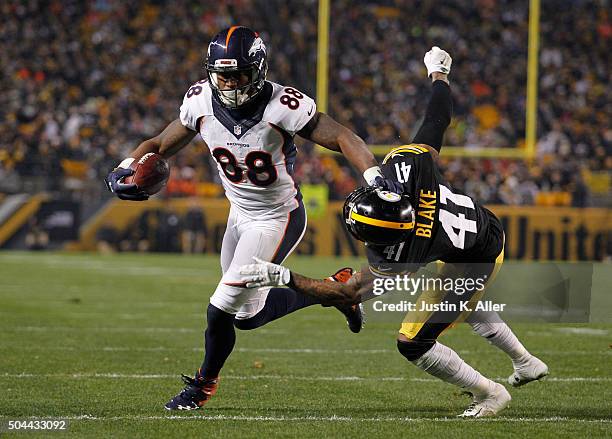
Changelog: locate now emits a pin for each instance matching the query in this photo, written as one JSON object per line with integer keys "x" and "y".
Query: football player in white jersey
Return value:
{"x": 248, "y": 124}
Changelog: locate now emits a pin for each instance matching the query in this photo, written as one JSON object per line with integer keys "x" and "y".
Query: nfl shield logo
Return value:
{"x": 237, "y": 130}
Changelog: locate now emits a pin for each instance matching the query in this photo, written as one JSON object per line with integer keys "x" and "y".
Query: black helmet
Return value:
{"x": 376, "y": 216}
{"x": 233, "y": 51}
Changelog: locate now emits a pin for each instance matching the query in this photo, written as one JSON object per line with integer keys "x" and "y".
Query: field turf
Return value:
{"x": 101, "y": 341}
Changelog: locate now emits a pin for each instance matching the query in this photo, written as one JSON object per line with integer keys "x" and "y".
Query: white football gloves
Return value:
{"x": 437, "y": 60}
{"x": 264, "y": 274}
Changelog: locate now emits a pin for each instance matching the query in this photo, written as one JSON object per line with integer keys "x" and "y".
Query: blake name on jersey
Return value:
{"x": 253, "y": 147}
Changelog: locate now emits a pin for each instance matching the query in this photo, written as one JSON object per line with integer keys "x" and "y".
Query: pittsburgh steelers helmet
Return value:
{"x": 379, "y": 217}
{"x": 235, "y": 51}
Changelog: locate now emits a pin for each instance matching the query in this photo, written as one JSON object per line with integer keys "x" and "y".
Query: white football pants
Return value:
{"x": 271, "y": 240}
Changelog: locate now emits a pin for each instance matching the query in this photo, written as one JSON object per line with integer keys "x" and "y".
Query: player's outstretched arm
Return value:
{"x": 440, "y": 107}
{"x": 267, "y": 274}
{"x": 325, "y": 131}
{"x": 174, "y": 137}
{"x": 326, "y": 292}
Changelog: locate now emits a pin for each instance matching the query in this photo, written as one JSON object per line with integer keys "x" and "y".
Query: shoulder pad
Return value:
{"x": 196, "y": 103}
{"x": 289, "y": 108}
{"x": 403, "y": 150}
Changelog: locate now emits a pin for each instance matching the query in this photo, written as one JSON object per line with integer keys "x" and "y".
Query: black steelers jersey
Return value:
{"x": 450, "y": 226}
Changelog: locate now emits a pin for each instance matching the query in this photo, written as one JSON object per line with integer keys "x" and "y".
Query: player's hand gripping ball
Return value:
{"x": 151, "y": 173}
{"x": 142, "y": 178}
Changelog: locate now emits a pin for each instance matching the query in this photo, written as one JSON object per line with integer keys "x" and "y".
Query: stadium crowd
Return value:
{"x": 84, "y": 82}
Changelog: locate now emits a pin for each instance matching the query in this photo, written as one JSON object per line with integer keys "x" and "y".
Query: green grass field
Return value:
{"x": 101, "y": 341}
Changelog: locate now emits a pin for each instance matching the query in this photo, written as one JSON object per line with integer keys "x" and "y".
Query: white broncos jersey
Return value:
{"x": 255, "y": 155}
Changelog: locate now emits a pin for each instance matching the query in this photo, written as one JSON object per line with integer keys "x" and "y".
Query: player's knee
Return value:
{"x": 228, "y": 298}
{"x": 247, "y": 324}
{"x": 217, "y": 318}
{"x": 414, "y": 349}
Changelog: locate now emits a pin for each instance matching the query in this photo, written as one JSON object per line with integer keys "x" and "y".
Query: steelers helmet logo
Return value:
{"x": 391, "y": 197}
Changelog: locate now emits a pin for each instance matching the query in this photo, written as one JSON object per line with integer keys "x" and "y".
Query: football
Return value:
{"x": 151, "y": 173}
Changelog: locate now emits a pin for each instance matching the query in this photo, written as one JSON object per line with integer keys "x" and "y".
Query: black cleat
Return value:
{"x": 196, "y": 393}
{"x": 354, "y": 316}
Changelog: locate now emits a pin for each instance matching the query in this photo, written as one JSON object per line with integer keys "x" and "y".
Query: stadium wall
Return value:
{"x": 532, "y": 233}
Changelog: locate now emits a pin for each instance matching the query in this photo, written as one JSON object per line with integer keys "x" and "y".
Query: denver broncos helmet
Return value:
{"x": 380, "y": 217}
{"x": 235, "y": 51}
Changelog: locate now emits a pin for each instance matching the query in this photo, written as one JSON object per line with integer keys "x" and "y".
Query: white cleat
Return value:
{"x": 531, "y": 370}
{"x": 488, "y": 404}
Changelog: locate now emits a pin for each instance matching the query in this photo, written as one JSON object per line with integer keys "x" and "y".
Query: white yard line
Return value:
{"x": 323, "y": 351}
{"x": 550, "y": 333}
{"x": 578, "y": 332}
{"x": 273, "y": 331}
{"x": 78, "y": 375}
{"x": 99, "y": 329}
{"x": 583, "y": 331}
{"x": 333, "y": 418}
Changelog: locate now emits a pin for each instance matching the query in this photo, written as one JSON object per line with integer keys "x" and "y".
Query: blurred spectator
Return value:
{"x": 107, "y": 239}
{"x": 193, "y": 233}
{"x": 36, "y": 237}
{"x": 182, "y": 182}
{"x": 167, "y": 232}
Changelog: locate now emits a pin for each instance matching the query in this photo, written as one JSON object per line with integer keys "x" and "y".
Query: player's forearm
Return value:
{"x": 324, "y": 291}
{"x": 356, "y": 151}
{"x": 437, "y": 116}
{"x": 149, "y": 145}
{"x": 171, "y": 140}
{"x": 328, "y": 133}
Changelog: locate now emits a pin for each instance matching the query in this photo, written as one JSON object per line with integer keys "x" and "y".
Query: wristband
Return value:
{"x": 290, "y": 283}
{"x": 125, "y": 164}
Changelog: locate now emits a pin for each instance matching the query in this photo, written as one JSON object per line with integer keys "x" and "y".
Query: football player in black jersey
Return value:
{"x": 431, "y": 221}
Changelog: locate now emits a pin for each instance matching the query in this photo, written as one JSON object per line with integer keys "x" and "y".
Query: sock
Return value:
{"x": 490, "y": 325}
{"x": 280, "y": 302}
{"x": 444, "y": 363}
{"x": 220, "y": 338}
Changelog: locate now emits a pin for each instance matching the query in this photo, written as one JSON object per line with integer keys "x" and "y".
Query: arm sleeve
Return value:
{"x": 437, "y": 116}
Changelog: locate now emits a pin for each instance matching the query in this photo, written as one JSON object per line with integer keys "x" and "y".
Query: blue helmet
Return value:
{"x": 236, "y": 51}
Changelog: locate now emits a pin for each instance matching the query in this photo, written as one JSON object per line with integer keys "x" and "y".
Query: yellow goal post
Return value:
{"x": 531, "y": 113}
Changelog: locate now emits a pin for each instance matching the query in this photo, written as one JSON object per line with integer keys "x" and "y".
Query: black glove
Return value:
{"x": 123, "y": 190}
{"x": 387, "y": 184}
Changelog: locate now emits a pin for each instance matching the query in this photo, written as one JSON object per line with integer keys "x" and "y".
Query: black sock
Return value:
{"x": 219, "y": 337}
{"x": 280, "y": 302}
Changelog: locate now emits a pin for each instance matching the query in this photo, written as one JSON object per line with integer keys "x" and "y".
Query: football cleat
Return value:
{"x": 343, "y": 275}
{"x": 531, "y": 370}
{"x": 353, "y": 313}
{"x": 488, "y": 404}
{"x": 196, "y": 393}
{"x": 354, "y": 316}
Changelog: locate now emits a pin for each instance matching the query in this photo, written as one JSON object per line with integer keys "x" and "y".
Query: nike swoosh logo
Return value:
{"x": 384, "y": 269}
{"x": 310, "y": 111}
